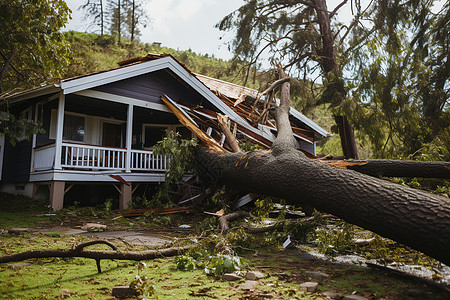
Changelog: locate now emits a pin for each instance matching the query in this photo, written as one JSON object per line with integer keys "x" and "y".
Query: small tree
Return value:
{"x": 96, "y": 10}
{"x": 116, "y": 18}
{"x": 136, "y": 15}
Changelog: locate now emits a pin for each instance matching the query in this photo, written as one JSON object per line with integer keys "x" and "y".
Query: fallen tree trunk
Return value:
{"x": 396, "y": 168}
{"x": 411, "y": 217}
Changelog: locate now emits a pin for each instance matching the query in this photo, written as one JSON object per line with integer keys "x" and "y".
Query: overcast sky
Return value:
{"x": 182, "y": 24}
{"x": 178, "y": 24}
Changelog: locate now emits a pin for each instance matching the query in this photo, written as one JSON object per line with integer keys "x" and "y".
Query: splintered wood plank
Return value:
{"x": 190, "y": 124}
{"x": 342, "y": 163}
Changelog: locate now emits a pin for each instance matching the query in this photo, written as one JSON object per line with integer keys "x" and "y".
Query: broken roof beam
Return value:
{"x": 189, "y": 123}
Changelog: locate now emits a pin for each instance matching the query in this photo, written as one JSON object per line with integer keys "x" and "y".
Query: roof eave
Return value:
{"x": 45, "y": 90}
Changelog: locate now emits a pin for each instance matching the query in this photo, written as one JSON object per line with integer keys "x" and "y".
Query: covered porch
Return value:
{"x": 99, "y": 138}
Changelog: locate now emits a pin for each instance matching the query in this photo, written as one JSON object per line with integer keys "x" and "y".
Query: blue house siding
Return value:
{"x": 17, "y": 162}
{"x": 150, "y": 87}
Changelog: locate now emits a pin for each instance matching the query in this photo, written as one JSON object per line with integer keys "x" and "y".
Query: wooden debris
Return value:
{"x": 230, "y": 138}
{"x": 192, "y": 126}
{"x": 160, "y": 211}
{"x": 343, "y": 163}
{"x": 97, "y": 255}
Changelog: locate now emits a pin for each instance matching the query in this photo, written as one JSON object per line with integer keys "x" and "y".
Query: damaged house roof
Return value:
{"x": 248, "y": 119}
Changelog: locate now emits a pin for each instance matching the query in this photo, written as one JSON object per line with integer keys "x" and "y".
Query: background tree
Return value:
{"x": 32, "y": 50}
{"x": 300, "y": 35}
{"x": 401, "y": 77}
{"x": 116, "y": 19}
{"x": 136, "y": 15}
{"x": 96, "y": 10}
{"x": 126, "y": 17}
{"x": 306, "y": 37}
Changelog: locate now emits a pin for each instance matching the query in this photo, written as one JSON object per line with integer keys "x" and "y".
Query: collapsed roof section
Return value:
{"x": 253, "y": 111}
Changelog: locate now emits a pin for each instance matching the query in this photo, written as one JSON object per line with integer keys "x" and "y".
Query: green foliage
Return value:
{"x": 221, "y": 264}
{"x": 32, "y": 49}
{"x": 181, "y": 153}
{"x": 186, "y": 263}
{"x": 143, "y": 286}
{"x": 400, "y": 85}
{"x": 93, "y": 52}
{"x": 334, "y": 240}
{"x": 16, "y": 129}
{"x": 263, "y": 206}
{"x": 389, "y": 74}
{"x": 218, "y": 264}
{"x": 249, "y": 147}
{"x": 437, "y": 150}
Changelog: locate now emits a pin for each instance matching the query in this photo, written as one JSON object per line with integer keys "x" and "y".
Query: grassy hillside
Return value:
{"x": 92, "y": 52}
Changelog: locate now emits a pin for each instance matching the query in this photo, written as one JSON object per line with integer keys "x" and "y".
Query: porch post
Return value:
{"x": 129, "y": 137}
{"x": 125, "y": 195}
{"x": 59, "y": 131}
{"x": 57, "y": 194}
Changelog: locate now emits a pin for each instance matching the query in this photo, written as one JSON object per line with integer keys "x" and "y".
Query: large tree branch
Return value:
{"x": 231, "y": 139}
{"x": 412, "y": 217}
{"x": 335, "y": 10}
{"x": 97, "y": 255}
{"x": 285, "y": 137}
{"x": 396, "y": 168}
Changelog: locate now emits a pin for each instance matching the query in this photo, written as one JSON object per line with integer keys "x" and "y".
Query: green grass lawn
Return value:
{"x": 284, "y": 269}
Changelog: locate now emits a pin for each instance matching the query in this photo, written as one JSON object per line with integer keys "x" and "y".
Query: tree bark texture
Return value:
{"x": 411, "y": 217}
{"x": 401, "y": 168}
{"x": 347, "y": 135}
{"x": 329, "y": 64}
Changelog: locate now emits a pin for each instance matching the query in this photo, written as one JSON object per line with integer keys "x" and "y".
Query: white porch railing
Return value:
{"x": 145, "y": 160}
{"x": 90, "y": 157}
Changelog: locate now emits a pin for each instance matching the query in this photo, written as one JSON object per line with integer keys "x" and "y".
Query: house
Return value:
{"x": 100, "y": 128}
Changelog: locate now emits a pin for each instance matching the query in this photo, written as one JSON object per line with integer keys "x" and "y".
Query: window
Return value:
{"x": 153, "y": 134}
{"x": 185, "y": 133}
{"x": 25, "y": 115}
{"x": 73, "y": 129}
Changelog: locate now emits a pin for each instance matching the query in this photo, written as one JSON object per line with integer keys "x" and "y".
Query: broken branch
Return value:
{"x": 223, "y": 220}
{"x": 97, "y": 255}
{"x": 395, "y": 168}
{"x": 231, "y": 139}
{"x": 268, "y": 90}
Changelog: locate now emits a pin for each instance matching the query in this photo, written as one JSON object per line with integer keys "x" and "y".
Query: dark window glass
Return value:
{"x": 154, "y": 134}
{"x": 73, "y": 128}
{"x": 185, "y": 133}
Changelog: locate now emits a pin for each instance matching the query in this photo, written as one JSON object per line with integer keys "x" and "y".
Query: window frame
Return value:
{"x": 67, "y": 113}
{"x": 26, "y": 114}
